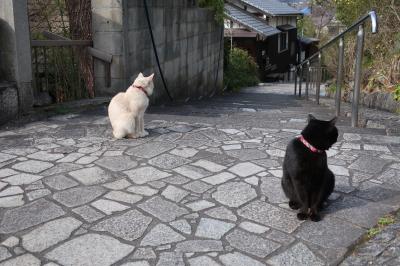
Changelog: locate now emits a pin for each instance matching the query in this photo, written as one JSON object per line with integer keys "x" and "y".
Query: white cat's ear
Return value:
{"x": 311, "y": 117}
{"x": 333, "y": 121}
{"x": 140, "y": 75}
{"x": 151, "y": 77}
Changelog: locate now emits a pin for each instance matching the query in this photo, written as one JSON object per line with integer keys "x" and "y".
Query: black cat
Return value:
{"x": 307, "y": 181}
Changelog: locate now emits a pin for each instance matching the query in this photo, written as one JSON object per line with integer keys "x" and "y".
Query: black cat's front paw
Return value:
{"x": 294, "y": 205}
{"x": 315, "y": 217}
{"x": 302, "y": 216}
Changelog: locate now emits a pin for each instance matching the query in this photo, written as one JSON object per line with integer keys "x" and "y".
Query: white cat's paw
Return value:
{"x": 144, "y": 134}
{"x": 132, "y": 136}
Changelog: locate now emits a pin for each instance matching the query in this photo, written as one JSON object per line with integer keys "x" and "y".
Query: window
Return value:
{"x": 283, "y": 42}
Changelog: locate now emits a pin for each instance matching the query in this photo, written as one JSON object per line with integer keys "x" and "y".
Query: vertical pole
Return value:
{"x": 357, "y": 75}
{"x": 318, "y": 77}
{"x": 307, "y": 79}
{"x": 339, "y": 76}
{"x": 36, "y": 75}
{"x": 300, "y": 79}
{"x": 295, "y": 80}
{"x": 311, "y": 77}
{"x": 231, "y": 39}
{"x": 46, "y": 73}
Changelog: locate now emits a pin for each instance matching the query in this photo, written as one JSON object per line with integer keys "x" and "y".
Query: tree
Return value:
{"x": 80, "y": 26}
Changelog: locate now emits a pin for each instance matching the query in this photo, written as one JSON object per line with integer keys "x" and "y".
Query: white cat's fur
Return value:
{"x": 126, "y": 109}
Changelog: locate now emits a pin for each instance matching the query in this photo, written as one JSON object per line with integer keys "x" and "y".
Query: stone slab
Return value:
{"x": 29, "y": 215}
{"x": 269, "y": 215}
{"x": 78, "y": 196}
{"x": 130, "y": 225}
{"x": 90, "y": 250}
{"x": 145, "y": 174}
{"x": 252, "y": 244}
{"x": 49, "y": 234}
{"x": 164, "y": 210}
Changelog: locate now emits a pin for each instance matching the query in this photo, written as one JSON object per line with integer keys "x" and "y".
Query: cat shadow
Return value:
{"x": 360, "y": 198}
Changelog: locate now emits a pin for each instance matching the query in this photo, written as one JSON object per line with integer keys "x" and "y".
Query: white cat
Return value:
{"x": 126, "y": 109}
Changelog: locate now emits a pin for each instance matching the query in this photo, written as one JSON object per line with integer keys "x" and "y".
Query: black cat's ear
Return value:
{"x": 333, "y": 121}
{"x": 311, "y": 117}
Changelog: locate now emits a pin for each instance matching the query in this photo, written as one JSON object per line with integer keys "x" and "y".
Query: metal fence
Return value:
{"x": 57, "y": 69}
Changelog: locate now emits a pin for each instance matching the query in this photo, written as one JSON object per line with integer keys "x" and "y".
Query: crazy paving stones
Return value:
{"x": 78, "y": 196}
{"x": 251, "y": 243}
{"x": 90, "y": 249}
{"x": 234, "y": 194}
{"x": 116, "y": 163}
{"x": 29, "y": 215}
{"x": 161, "y": 234}
{"x": 129, "y": 226}
{"x": 145, "y": 174}
{"x": 267, "y": 214}
{"x": 49, "y": 234}
{"x": 164, "y": 210}
{"x": 91, "y": 176}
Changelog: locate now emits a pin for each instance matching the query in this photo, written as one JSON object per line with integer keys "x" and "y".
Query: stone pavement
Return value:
{"x": 202, "y": 189}
{"x": 384, "y": 249}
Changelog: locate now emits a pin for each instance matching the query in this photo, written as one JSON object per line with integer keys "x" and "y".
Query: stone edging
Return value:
{"x": 376, "y": 100}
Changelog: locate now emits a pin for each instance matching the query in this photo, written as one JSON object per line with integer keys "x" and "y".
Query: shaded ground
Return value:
{"x": 202, "y": 189}
{"x": 383, "y": 249}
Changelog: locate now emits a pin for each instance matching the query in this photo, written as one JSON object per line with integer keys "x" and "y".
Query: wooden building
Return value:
{"x": 268, "y": 30}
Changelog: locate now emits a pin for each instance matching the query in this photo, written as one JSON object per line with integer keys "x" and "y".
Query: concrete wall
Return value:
{"x": 15, "y": 50}
{"x": 188, "y": 42}
{"x": 8, "y": 101}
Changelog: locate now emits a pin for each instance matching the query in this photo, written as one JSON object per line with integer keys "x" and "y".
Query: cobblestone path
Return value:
{"x": 202, "y": 189}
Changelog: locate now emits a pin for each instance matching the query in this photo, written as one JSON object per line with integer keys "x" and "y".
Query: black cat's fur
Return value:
{"x": 307, "y": 181}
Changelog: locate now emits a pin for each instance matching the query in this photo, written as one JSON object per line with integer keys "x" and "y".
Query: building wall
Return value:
{"x": 187, "y": 38}
{"x": 273, "y": 64}
{"x": 280, "y": 61}
{"x": 283, "y": 20}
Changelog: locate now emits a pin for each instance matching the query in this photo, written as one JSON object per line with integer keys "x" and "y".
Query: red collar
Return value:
{"x": 308, "y": 145}
{"x": 142, "y": 89}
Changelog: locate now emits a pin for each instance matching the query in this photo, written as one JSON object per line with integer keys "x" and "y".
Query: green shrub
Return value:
{"x": 331, "y": 89}
{"x": 396, "y": 93}
{"x": 215, "y": 5}
{"x": 241, "y": 70}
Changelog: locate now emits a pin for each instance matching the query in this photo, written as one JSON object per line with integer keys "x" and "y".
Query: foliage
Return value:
{"x": 241, "y": 70}
{"x": 331, "y": 90}
{"x": 382, "y": 222}
{"x": 381, "y": 61}
{"x": 306, "y": 27}
{"x": 396, "y": 93}
{"x": 373, "y": 232}
{"x": 215, "y": 5}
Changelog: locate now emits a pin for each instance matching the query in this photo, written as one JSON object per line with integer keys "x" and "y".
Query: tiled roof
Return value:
{"x": 249, "y": 21}
{"x": 308, "y": 41}
{"x": 286, "y": 27}
{"x": 239, "y": 33}
{"x": 272, "y": 7}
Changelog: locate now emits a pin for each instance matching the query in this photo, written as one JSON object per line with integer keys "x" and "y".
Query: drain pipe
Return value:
{"x": 221, "y": 47}
{"x": 155, "y": 49}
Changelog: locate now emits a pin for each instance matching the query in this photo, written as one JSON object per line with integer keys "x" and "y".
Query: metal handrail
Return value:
{"x": 358, "y": 66}
{"x": 374, "y": 29}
